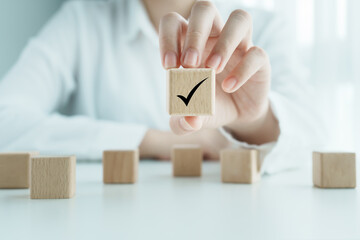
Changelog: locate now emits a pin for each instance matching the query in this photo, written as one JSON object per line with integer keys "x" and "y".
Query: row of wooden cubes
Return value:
{"x": 238, "y": 165}
{"x": 47, "y": 177}
{"x": 330, "y": 170}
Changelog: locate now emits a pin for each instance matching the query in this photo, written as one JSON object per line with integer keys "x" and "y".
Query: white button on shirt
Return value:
{"x": 92, "y": 80}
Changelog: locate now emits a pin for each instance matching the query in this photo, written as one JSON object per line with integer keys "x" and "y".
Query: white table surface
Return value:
{"x": 282, "y": 206}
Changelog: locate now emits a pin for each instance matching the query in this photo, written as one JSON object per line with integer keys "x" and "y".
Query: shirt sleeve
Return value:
{"x": 292, "y": 100}
{"x": 41, "y": 82}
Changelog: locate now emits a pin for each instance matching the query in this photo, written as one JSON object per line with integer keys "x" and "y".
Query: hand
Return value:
{"x": 157, "y": 144}
{"x": 243, "y": 70}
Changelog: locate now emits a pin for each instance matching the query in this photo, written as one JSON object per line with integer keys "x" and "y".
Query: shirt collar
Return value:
{"x": 138, "y": 21}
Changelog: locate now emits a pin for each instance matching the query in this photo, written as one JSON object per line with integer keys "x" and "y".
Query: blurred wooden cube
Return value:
{"x": 240, "y": 165}
{"x": 186, "y": 160}
{"x": 15, "y": 169}
{"x": 334, "y": 170}
{"x": 191, "y": 91}
{"x": 120, "y": 166}
{"x": 53, "y": 177}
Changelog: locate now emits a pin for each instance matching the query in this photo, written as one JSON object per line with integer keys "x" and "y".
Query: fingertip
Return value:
{"x": 220, "y": 69}
{"x": 214, "y": 62}
{"x": 170, "y": 60}
{"x": 190, "y": 58}
{"x": 229, "y": 85}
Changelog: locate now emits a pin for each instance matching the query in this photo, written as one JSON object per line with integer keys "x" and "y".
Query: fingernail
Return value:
{"x": 170, "y": 60}
{"x": 229, "y": 84}
{"x": 185, "y": 125}
{"x": 191, "y": 57}
{"x": 214, "y": 61}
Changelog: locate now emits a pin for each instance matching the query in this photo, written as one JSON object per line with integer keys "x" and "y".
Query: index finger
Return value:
{"x": 204, "y": 22}
{"x": 171, "y": 28}
{"x": 235, "y": 34}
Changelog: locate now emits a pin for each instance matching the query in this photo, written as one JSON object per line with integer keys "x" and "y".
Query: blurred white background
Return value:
{"x": 19, "y": 20}
{"x": 328, "y": 39}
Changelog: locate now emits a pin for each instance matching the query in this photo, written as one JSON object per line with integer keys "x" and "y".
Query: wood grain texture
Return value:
{"x": 15, "y": 169}
{"x": 334, "y": 170}
{"x": 187, "y": 160}
{"x": 53, "y": 177}
{"x": 240, "y": 165}
{"x": 120, "y": 166}
{"x": 181, "y": 82}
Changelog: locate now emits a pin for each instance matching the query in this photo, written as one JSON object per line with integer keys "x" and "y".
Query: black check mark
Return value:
{"x": 186, "y": 100}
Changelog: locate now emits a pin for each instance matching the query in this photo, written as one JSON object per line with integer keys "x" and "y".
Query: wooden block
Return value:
{"x": 240, "y": 165}
{"x": 334, "y": 170}
{"x": 191, "y": 92}
{"x": 186, "y": 160}
{"x": 120, "y": 166}
{"x": 15, "y": 169}
{"x": 53, "y": 177}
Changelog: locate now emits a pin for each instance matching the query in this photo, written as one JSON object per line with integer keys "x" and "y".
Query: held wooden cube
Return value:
{"x": 334, "y": 170}
{"x": 240, "y": 165}
{"x": 186, "y": 160}
{"x": 191, "y": 92}
{"x": 15, "y": 169}
{"x": 120, "y": 166}
{"x": 53, "y": 177}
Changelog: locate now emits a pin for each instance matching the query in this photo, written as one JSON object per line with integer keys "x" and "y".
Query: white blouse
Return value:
{"x": 92, "y": 80}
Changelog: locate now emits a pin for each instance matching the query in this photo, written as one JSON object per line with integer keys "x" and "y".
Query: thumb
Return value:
{"x": 181, "y": 125}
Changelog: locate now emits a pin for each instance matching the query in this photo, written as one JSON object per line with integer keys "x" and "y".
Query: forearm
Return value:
{"x": 262, "y": 130}
{"x": 149, "y": 146}
{"x": 57, "y": 134}
{"x": 157, "y": 144}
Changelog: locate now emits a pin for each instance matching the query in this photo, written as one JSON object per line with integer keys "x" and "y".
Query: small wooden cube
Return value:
{"x": 334, "y": 170}
{"x": 191, "y": 92}
{"x": 15, "y": 169}
{"x": 240, "y": 165}
{"x": 53, "y": 177}
{"x": 186, "y": 160}
{"x": 120, "y": 166}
